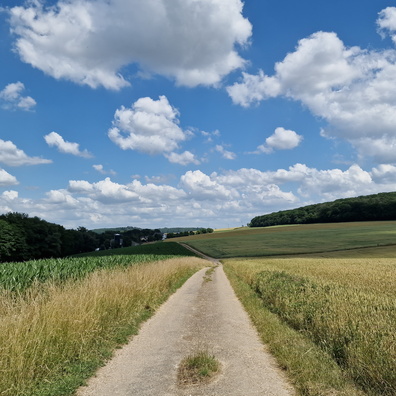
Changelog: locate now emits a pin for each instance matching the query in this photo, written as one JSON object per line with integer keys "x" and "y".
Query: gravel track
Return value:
{"x": 202, "y": 315}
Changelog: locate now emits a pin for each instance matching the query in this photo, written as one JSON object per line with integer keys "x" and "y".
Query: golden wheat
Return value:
{"x": 347, "y": 307}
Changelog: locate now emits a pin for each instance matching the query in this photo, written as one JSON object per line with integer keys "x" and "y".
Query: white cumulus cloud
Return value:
{"x": 53, "y": 139}
{"x": 201, "y": 186}
{"x": 10, "y": 194}
{"x": 233, "y": 196}
{"x": 12, "y": 98}
{"x": 12, "y": 156}
{"x": 184, "y": 158}
{"x": 101, "y": 170}
{"x": 104, "y": 190}
{"x": 281, "y": 139}
{"x": 88, "y": 42}
{"x": 384, "y": 174}
{"x": 62, "y": 197}
{"x": 353, "y": 89}
{"x": 6, "y": 179}
{"x": 387, "y": 22}
{"x": 149, "y": 126}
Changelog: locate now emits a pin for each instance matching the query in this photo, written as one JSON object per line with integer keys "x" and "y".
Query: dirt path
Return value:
{"x": 201, "y": 315}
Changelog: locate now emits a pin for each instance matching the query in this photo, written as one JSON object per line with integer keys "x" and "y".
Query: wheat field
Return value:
{"x": 346, "y": 306}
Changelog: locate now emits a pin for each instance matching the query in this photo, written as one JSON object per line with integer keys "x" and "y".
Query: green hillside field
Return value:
{"x": 295, "y": 239}
{"x": 322, "y": 297}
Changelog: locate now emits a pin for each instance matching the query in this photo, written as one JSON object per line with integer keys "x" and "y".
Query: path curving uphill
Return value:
{"x": 204, "y": 314}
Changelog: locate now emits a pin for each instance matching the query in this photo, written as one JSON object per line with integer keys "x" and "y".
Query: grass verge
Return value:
{"x": 197, "y": 368}
{"x": 55, "y": 336}
{"x": 312, "y": 371}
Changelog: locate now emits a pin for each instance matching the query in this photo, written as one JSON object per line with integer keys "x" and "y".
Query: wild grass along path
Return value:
{"x": 202, "y": 315}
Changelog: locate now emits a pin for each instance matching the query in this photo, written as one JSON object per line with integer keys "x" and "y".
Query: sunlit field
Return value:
{"x": 61, "y": 319}
{"x": 296, "y": 239}
{"x": 345, "y": 306}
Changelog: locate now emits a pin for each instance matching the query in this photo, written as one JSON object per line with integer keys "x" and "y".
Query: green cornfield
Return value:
{"x": 20, "y": 276}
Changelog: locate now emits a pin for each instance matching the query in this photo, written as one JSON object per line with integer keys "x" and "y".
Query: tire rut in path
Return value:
{"x": 201, "y": 315}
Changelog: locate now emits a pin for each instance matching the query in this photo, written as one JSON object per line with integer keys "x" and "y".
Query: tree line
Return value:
{"x": 364, "y": 208}
{"x": 27, "y": 238}
{"x": 191, "y": 232}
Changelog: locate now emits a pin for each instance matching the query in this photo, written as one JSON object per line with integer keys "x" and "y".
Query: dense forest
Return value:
{"x": 364, "y": 208}
{"x": 26, "y": 238}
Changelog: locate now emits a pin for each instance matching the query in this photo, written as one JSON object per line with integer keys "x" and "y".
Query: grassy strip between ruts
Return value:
{"x": 54, "y": 336}
{"x": 198, "y": 368}
{"x": 312, "y": 371}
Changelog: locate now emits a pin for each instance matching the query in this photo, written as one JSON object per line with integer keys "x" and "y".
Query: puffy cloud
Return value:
{"x": 12, "y": 156}
{"x": 217, "y": 199}
{"x": 12, "y": 98}
{"x": 354, "y": 90}
{"x": 254, "y": 180}
{"x": 88, "y": 42}
{"x": 382, "y": 150}
{"x": 335, "y": 183}
{"x": 282, "y": 139}
{"x": 62, "y": 197}
{"x": 149, "y": 126}
{"x": 108, "y": 192}
{"x": 153, "y": 194}
{"x": 254, "y": 88}
{"x": 202, "y": 186}
{"x": 53, "y": 139}
{"x": 7, "y": 199}
{"x": 387, "y": 22}
{"x": 11, "y": 194}
{"x": 80, "y": 186}
{"x": 311, "y": 184}
{"x": 6, "y": 179}
{"x": 384, "y": 174}
{"x": 257, "y": 189}
{"x": 101, "y": 170}
{"x": 225, "y": 153}
{"x": 182, "y": 159}
{"x": 104, "y": 190}
{"x": 319, "y": 63}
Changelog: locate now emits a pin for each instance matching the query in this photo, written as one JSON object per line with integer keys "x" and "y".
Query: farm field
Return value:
{"x": 61, "y": 319}
{"x": 345, "y": 306}
{"x": 317, "y": 310}
{"x": 21, "y": 275}
{"x": 322, "y": 296}
{"x": 157, "y": 248}
{"x": 295, "y": 239}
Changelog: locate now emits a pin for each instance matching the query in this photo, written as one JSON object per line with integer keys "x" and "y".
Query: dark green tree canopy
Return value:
{"x": 25, "y": 238}
{"x": 364, "y": 208}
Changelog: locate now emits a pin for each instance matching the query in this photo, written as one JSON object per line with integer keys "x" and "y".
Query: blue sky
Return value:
{"x": 193, "y": 112}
